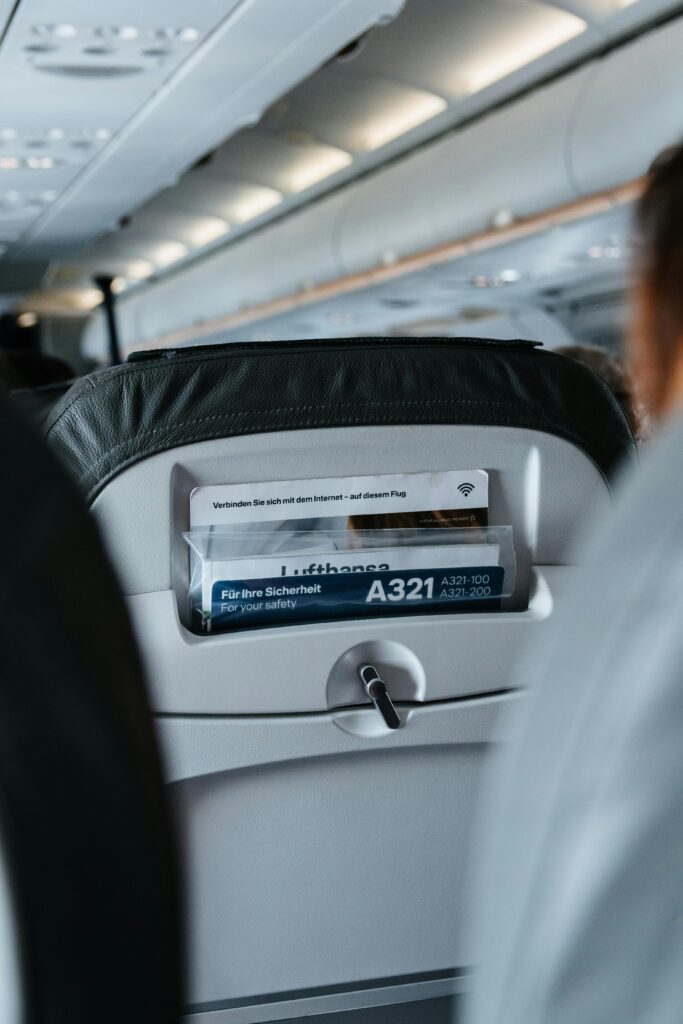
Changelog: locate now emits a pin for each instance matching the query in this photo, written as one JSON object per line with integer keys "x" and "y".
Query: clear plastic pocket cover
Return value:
{"x": 269, "y": 577}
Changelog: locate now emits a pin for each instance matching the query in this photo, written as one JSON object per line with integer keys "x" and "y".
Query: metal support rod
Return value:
{"x": 109, "y": 303}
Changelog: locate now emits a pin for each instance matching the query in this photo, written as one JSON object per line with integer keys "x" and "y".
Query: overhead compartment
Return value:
{"x": 292, "y": 255}
{"x": 573, "y": 137}
{"x": 630, "y": 111}
{"x": 301, "y": 252}
{"x": 387, "y": 215}
{"x": 237, "y": 71}
{"x": 512, "y": 160}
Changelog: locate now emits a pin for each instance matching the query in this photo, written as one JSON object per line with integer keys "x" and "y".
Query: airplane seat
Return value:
{"x": 326, "y": 854}
{"x": 36, "y": 404}
{"x": 89, "y": 906}
{"x": 36, "y": 381}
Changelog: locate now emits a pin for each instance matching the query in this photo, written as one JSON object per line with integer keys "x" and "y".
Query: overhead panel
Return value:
{"x": 611, "y": 141}
{"x": 387, "y": 216}
{"x": 329, "y": 93}
{"x": 69, "y": 84}
{"x": 389, "y": 86}
{"x": 207, "y": 190}
{"x": 174, "y": 98}
{"x": 482, "y": 42}
{"x": 290, "y": 163}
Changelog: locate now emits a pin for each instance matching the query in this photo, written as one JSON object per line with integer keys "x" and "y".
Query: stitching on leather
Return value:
{"x": 86, "y": 380}
{"x": 98, "y": 485}
{"x": 566, "y": 435}
{"x": 226, "y": 417}
{"x": 128, "y": 370}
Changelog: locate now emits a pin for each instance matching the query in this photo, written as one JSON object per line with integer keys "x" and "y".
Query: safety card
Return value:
{"x": 308, "y": 550}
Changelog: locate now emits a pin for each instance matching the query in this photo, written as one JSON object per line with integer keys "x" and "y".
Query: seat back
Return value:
{"x": 87, "y": 860}
{"x": 327, "y": 856}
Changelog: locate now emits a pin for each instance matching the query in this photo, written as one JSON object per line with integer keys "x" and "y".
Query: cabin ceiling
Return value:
{"x": 102, "y": 124}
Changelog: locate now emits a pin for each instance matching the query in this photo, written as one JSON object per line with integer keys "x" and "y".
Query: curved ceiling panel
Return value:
{"x": 267, "y": 122}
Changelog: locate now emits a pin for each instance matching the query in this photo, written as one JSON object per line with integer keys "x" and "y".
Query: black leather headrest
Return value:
{"x": 84, "y": 825}
{"x": 165, "y": 399}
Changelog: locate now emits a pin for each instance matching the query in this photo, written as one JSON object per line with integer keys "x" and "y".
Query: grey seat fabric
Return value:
{"x": 87, "y": 847}
{"x": 580, "y": 910}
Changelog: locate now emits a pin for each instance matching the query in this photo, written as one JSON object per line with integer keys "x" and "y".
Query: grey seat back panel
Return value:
{"x": 540, "y": 484}
{"x": 321, "y": 850}
{"x": 327, "y": 901}
{"x": 275, "y": 671}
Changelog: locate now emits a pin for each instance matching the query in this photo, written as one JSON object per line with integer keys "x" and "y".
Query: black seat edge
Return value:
{"x": 117, "y": 417}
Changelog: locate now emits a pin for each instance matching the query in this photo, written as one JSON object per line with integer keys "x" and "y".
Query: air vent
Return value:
{"x": 400, "y": 303}
{"x": 90, "y": 70}
{"x": 351, "y": 50}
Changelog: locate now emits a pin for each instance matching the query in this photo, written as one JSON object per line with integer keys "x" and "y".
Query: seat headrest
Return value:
{"x": 161, "y": 400}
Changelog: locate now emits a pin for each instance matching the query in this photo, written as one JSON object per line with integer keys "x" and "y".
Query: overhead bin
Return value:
{"x": 387, "y": 215}
{"x": 300, "y": 253}
{"x": 513, "y": 159}
{"x": 629, "y": 111}
{"x": 262, "y": 67}
{"x": 567, "y": 139}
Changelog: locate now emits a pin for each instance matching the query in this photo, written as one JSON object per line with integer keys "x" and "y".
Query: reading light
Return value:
{"x": 40, "y": 163}
{"x": 502, "y": 218}
{"x": 495, "y": 280}
{"x": 185, "y": 35}
{"x": 255, "y": 201}
{"x": 208, "y": 230}
{"x": 169, "y": 252}
{"x": 63, "y": 31}
{"x": 118, "y": 285}
{"x": 416, "y": 107}
{"x": 123, "y": 32}
{"x": 516, "y": 50}
{"x": 88, "y": 298}
{"x": 317, "y": 162}
{"x": 9, "y": 163}
{"x": 604, "y": 252}
{"x": 27, "y": 319}
{"x": 138, "y": 270}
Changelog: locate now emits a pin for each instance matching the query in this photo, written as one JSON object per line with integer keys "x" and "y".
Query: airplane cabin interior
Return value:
{"x": 296, "y": 465}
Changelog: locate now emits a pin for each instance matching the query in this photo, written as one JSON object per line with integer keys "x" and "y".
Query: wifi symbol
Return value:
{"x": 466, "y": 489}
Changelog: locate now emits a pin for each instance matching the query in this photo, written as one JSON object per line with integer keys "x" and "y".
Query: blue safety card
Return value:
{"x": 280, "y": 600}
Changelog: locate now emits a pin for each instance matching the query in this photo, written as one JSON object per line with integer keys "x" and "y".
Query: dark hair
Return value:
{"x": 613, "y": 371}
{"x": 660, "y": 225}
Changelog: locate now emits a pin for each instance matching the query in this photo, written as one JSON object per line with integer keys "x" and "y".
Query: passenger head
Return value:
{"x": 657, "y": 333}
{"x": 613, "y": 370}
